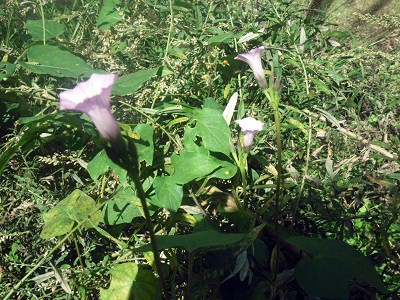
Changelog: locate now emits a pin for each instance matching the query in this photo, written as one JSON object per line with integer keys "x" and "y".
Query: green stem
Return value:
{"x": 142, "y": 196}
{"x": 243, "y": 174}
{"x": 278, "y": 182}
{"x": 78, "y": 252}
{"x": 171, "y": 27}
{"x": 128, "y": 159}
{"x": 43, "y": 22}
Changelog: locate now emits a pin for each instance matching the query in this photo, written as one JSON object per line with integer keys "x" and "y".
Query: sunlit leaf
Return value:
{"x": 77, "y": 207}
{"x": 46, "y": 59}
{"x": 213, "y": 129}
{"x": 108, "y": 15}
{"x": 122, "y": 208}
{"x": 6, "y": 70}
{"x": 192, "y": 165}
{"x": 220, "y": 38}
{"x": 129, "y": 282}
{"x": 168, "y": 193}
{"x": 35, "y": 29}
{"x": 129, "y": 83}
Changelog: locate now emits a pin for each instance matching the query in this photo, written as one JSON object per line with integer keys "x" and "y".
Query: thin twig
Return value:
{"x": 204, "y": 213}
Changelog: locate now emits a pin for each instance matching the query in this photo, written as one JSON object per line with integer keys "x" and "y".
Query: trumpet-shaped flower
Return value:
{"x": 249, "y": 126}
{"x": 92, "y": 97}
{"x": 253, "y": 59}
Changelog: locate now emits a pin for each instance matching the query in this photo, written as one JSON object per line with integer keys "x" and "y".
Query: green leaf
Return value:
{"x": 321, "y": 85}
{"x": 77, "y": 207}
{"x": 220, "y": 38}
{"x": 394, "y": 176}
{"x": 146, "y": 286}
{"x": 130, "y": 282}
{"x": 127, "y": 84}
{"x": 46, "y": 59}
{"x": 169, "y": 194}
{"x": 194, "y": 241}
{"x": 122, "y": 279}
{"x": 6, "y": 70}
{"x": 122, "y": 208}
{"x": 99, "y": 165}
{"x": 213, "y": 129}
{"x": 192, "y": 165}
{"x": 35, "y": 29}
{"x": 333, "y": 266}
{"x": 145, "y": 146}
{"x": 225, "y": 171}
{"x": 108, "y": 15}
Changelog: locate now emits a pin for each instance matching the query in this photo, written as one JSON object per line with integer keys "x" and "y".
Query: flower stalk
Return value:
{"x": 249, "y": 127}
{"x": 92, "y": 97}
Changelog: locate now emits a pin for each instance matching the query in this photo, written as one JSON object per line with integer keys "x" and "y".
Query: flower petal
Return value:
{"x": 253, "y": 59}
{"x": 250, "y": 123}
{"x": 92, "y": 97}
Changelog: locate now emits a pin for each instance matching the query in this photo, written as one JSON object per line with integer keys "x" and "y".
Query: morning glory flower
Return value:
{"x": 92, "y": 97}
{"x": 253, "y": 59}
{"x": 249, "y": 126}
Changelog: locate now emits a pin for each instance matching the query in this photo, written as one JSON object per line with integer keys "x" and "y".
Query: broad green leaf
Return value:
{"x": 35, "y": 29}
{"x": 109, "y": 15}
{"x": 146, "y": 286}
{"x": 6, "y": 70}
{"x": 192, "y": 165}
{"x": 122, "y": 208}
{"x": 46, "y": 59}
{"x": 100, "y": 164}
{"x": 190, "y": 141}
{"x": 145, "y": 146}
{"x": 129, "y": 282}
{"x": 168, "y": 193}
{"x": 225, "y": 171}
{"x": 194, "y": 241}
{"x": 127, "y": 84}
{"x": 213, "y": 129}
{"x": 77, "y": 207}
{"x": 122, "y": 279}
{"x": 220, "y": 38}
{"x": 333, "y": 266}
{"x": 142, "y": 136}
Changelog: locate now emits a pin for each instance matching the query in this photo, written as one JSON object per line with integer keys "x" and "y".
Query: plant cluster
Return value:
{"x": 197, "y": 150}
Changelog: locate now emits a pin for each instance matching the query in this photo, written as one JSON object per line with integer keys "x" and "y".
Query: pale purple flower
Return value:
{"x": 92, "y": 97}
{"x": 249, "y": 126}
{"x": 253, "y": 59}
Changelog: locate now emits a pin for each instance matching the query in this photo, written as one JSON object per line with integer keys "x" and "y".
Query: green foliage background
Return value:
{"x": 340, "y": 91}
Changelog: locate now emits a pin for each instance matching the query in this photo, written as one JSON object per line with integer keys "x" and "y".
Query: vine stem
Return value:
{"x": 129, "y": 160}
{"x": 272, "y": 95}
{"x": 278, "y": 184}
{"x": 43, "y": 22}
{"x": 142, "y": 197}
